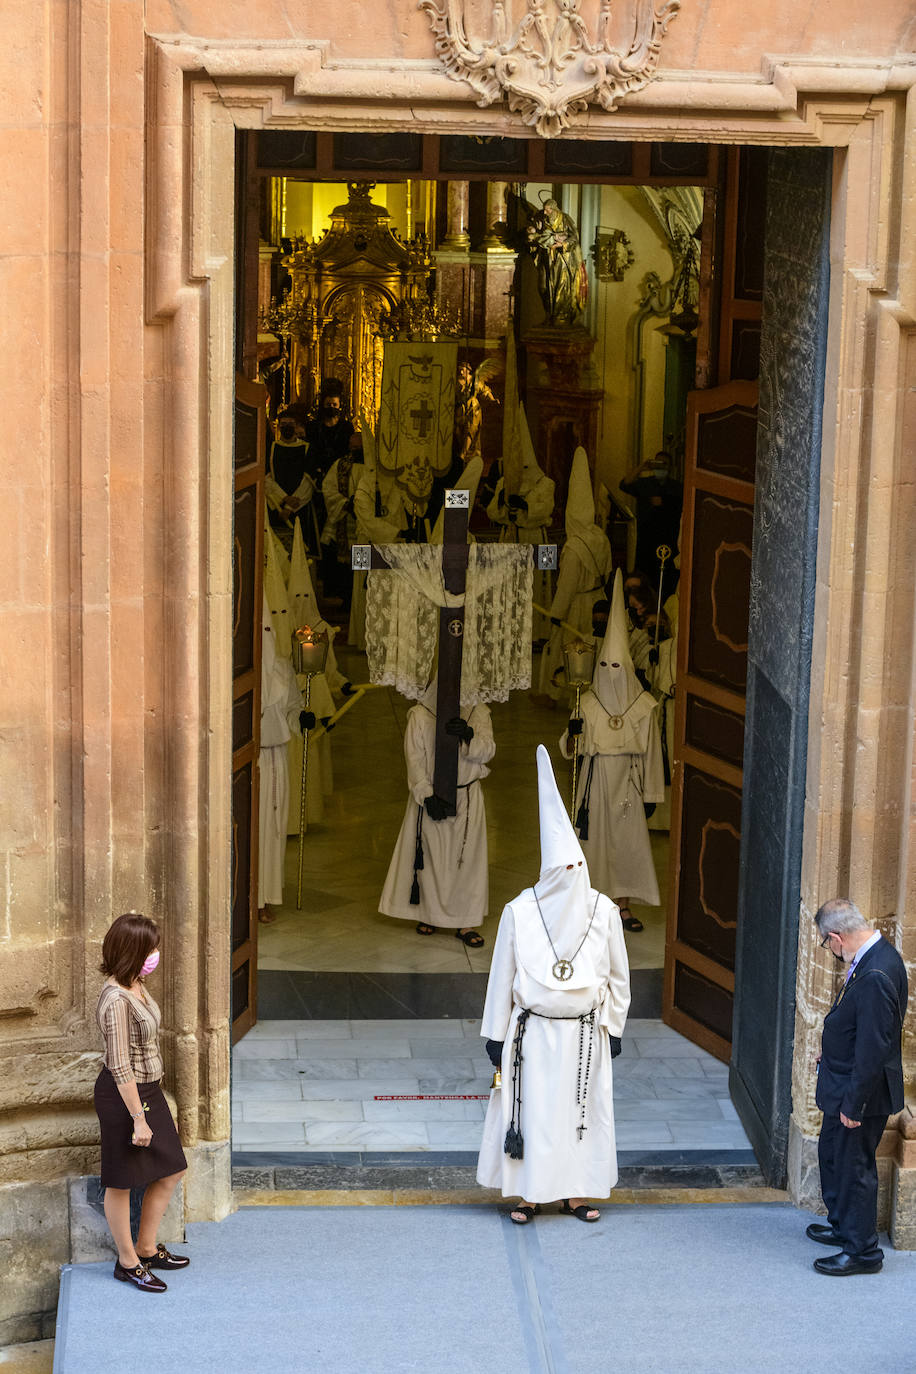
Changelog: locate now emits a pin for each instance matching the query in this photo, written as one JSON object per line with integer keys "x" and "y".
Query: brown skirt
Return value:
{"x": 133, "y": 1166}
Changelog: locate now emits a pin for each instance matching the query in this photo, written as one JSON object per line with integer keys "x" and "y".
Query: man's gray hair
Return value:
{"x": 841, "y": 916}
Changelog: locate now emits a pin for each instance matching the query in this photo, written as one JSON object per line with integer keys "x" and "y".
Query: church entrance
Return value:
{"x": 654, "y": 375}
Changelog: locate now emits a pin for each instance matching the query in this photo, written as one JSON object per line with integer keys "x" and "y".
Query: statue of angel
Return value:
{"x": 473, "y": 386}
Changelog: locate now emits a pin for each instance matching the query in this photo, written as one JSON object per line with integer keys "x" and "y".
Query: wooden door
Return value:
{"x": 248, "y": 577}
{"x": 716, "y": 543}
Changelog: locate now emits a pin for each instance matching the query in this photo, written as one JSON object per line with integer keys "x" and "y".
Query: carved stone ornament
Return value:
{"x": 550, "y": 58}
{"x": 612, "y": 254}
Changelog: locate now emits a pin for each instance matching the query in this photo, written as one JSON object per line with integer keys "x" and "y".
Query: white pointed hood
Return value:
{"x": 532, "y": 472}
{"x": 275, "y": 592}
{"x": 580, "y": 500}
{"x": 589, "y": 543}
{"x": 559, "y": 842}
{"x": 564, "y": 895}
{"x": 619, "y": 719}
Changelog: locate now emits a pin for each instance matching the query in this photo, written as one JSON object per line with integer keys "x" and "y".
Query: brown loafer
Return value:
{"x": 164, "y": 1260}
{"x": 140, "y": 1277}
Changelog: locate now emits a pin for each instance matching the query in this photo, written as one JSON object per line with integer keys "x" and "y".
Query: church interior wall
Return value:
{"x": 115, "y": 583}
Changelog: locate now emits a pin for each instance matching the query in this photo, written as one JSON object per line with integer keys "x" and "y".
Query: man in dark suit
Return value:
{"x": 860, "y": 1082}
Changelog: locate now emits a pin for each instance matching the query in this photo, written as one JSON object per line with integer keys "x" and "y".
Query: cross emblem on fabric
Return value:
{"x": 423, "y": 416}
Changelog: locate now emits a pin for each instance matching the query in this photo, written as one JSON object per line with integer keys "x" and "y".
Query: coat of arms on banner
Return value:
{"x": 550, "y": 57}
{"x": 417, "y": 415}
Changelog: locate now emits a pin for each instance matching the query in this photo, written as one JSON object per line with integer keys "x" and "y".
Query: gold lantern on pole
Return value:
{"x": 579, "y": 656}
{"x": 310, "y": 654}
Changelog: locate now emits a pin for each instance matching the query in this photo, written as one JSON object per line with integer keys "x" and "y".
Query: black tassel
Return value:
{"x": 418, "y": 857}
{"x": 515, "y": 1145}
{"x": 582, "y": 821}
{"x": 415, "y": 891}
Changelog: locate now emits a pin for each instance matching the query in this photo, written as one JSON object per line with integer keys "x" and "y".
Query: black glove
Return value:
{"x": 307, "y": 720}
{"x": 575, "y": 725}
{"x": 517, "y": 503}
{"x": 459, "y": 729}
{"x": 436, "y": 808}
{"x": 347, "y": 689}
{"x": 653, "y": 655}
{"x": 555, "y": 620}
{"x": 616, "y": 1046}
{"x": 405, "y": 536}
{"x": 495, "y": 1051}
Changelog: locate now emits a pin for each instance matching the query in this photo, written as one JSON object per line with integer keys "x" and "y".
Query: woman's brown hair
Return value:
{"x": 128, "y": 943}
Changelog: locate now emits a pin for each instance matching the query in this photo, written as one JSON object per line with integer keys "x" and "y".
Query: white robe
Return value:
{"x": 662, "y": 677}
{"x": 450, "y": 895}
{"x": 585, "y": 566}
{"x": 281, "y": 702}
{"x": 618, "y": 849}
{"x": 557, "y": 1163}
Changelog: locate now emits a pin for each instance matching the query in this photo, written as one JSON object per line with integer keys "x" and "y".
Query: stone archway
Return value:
{"x": 200, "y": 95}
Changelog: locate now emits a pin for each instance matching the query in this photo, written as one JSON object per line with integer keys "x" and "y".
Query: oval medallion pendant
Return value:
{"x": 562, "y": 970}
{"x": 615, "y": 722}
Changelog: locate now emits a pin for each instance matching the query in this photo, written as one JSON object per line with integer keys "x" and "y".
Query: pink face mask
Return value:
{"x": 150, "y": 964}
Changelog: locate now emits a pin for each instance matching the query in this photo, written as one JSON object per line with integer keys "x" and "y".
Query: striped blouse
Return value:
{"x": 131, "y": 1030}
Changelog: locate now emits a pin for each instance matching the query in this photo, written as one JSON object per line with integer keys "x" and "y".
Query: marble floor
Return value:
{"x": 347, "y": 855}
{"x": 422, "y": 1085}
{"x": 319, "y": 1087}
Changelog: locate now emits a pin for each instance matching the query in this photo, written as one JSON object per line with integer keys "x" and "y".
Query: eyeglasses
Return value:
{"x": 826, "y": 940}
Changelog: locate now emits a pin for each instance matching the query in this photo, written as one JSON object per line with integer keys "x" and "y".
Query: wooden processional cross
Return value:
{"x": 455, "y": 551}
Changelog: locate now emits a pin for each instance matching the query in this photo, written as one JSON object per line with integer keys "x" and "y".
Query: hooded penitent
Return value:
{"x": 622, "y": 724}
{"x": 563, "y": 893}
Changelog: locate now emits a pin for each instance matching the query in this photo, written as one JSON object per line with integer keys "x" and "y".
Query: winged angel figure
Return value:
{"x": 550, "y": 57}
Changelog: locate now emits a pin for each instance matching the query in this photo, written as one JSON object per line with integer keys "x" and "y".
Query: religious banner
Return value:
{"x": 417, "y": 415}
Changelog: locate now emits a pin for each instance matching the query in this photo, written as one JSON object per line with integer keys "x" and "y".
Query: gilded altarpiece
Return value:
{"x": 343, "y": 287}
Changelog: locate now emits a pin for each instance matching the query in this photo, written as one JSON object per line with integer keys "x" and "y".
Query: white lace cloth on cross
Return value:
{"x": 402, "y": 619}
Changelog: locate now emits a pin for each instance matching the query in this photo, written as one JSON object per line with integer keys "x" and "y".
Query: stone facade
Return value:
{"x": 115, "y": 585}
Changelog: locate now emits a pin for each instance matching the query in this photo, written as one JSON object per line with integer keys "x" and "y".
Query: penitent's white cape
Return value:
{"x": 585, "y": 566}
{"x": 621, "y": 767}
{"x": 556, "y": 1162}
{"x": 454, "y": 879}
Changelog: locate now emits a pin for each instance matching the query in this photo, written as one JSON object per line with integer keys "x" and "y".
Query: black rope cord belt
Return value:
{"x": 418, "y": 848}
{"x": 514, "y": 1145}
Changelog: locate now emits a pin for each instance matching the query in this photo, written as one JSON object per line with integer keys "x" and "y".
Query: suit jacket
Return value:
{"x": 861, "y": 1073}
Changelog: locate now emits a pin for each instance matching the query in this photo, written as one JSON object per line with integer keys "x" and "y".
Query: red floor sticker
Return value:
{"x": 431, "y": 1097}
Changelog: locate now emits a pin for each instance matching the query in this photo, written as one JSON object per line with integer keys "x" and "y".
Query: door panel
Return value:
{"x": 716, "y": 543}
{"x": 247, "y": 569}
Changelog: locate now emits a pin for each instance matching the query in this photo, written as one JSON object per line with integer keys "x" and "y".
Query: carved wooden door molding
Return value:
{"x": 716, "y": 544}
{"x": 248, "y": 578}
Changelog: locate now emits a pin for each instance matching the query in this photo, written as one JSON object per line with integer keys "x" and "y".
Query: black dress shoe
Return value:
{"x": 140, "y": 1277}
{"x": 838, "y": 1266}
{"x": 163, "y": 1260}
{"x": 824, "y": 1235}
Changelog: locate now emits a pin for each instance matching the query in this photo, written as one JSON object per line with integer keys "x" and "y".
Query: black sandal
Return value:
{"x": 528, "y": 1211}
{"x": 581, "y": 1212}
{"x": 424, "y": 929}
{"x": 631, "y": 922}
{"x": 470, "y": 938}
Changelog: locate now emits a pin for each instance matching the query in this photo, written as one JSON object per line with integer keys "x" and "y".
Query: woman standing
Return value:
{"x": 140, "y": 1145}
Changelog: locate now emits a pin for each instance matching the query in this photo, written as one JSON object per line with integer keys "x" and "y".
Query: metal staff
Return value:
{"x": 580, "y": 666}
{"x": 310, "y": 651}
{"x": 662, "y": 553}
